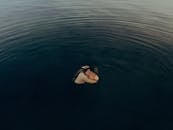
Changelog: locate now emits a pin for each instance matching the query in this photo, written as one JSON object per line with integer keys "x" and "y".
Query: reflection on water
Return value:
{"x": 42, "y": 44}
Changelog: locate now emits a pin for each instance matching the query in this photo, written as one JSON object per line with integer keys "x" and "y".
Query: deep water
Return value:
{"x": 44, "y": 42}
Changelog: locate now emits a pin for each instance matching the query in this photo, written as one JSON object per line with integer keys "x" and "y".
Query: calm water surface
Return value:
{"x": 43, "y": 43}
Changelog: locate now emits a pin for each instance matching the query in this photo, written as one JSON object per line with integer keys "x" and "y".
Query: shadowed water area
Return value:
{"x": 44, "y": 42}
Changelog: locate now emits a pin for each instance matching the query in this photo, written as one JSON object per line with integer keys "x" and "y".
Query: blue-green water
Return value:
{"x": 43, "y": 43}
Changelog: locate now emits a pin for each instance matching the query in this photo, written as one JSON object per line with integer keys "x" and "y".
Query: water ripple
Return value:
{"x": 124, "y": 31}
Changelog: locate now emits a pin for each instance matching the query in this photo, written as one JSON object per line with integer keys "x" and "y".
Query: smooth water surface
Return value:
{"x": 43, "y": 43}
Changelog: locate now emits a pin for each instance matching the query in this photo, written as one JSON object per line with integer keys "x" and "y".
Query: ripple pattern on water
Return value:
{"x": 36, "y": 25}
{"x": 43, "y": 43}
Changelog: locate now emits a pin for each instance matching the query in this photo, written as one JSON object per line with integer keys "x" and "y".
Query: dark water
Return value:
{"x": 43, "y": 42}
